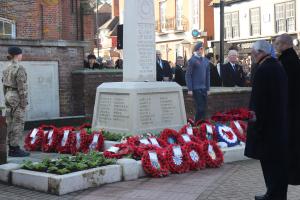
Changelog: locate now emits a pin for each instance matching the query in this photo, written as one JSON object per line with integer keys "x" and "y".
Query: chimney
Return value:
{"x": 115, "y": 8}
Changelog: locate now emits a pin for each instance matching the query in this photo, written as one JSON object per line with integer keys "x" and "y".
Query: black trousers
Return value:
{"x": 276, "y": 179}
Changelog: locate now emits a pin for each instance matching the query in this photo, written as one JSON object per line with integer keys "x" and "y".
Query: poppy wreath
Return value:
{"x": 34, "y": 140}
{"x": 188, "y": 129}
{"x": 227, "y": 135}
{"x": 82, "y": 140}
{"x": 207, "y": 131}
{"x": 169, "y": 136}
{"x": 240, "y": 114}
{"x": 95, "y": 141}
{"x": 213, "y": 155}
{"x": 201, "y": 122}
{"x": 50, "y": 139}
{"x": 240, "y": 129}
{"x": 66, "y": 141}
{"x": 186, "y": 138}
{"x": 191, "y": 122}
{"x": 196, "y": 156}
{"x": 118, "y": 151}
{"x": 177, "y": 159}
{"x": 222, "y": 117}
{"x": 154, "y": 163}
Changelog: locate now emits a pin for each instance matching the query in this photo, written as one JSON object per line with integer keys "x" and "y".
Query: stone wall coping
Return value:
{"x": 43, "y": 43}
{"x": 97, "y": 71}
{"x": 226, "y": 90}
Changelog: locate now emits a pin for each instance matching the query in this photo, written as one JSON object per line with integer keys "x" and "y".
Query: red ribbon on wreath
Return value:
{"x": 213, "y": 154}
{"x": 118, "y": 151}
{"x": 240, "y": 129}
{"x": 177, "y": 159}
{"x": 67, "y": 140}
{"x": 154, "y": 163}
{"x": 34, "y": 140}
{"x": 50, "y": 139}
{"x": 208, "y": 132}
{"x": 196, "y": 156}
{"x": 169, "y": 136}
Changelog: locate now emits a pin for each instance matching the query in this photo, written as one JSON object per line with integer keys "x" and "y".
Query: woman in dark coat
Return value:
{"x": 267, "y": 138}
{"x": 291, "y": 64}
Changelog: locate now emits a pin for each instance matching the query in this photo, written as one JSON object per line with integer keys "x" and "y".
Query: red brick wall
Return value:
{"x": 69, "y": 57}
{"x": 85, "y": 84}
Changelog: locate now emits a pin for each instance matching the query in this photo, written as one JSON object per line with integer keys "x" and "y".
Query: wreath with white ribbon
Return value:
{"x": 177, "y": 159}
{"x": 213, "y": 154}
{"x": 208, "y": 132}
{"x": 227, "y": 135}
{"x": 154, "y": 163}
{"x": 196, "y": 155}
{"x": 240, "y": 129}
{"x": 50, "y": 139}
{"x": 67, "y": 140}
{"x": 170, "y": 136}
{"x": 34, "y": 139}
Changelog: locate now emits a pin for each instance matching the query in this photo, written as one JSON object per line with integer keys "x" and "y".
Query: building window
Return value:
{"x": 195, "y": 14}
{"x": 285, "y": 17}
{"x": 179, "y": 14}
{"x": 255, "y": 21}
{"x": 7, "y": 28}
{"x": 231, "y": 25}
{"x": 163, "y": 19}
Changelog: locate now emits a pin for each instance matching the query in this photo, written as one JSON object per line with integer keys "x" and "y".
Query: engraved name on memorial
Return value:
{"x": 113, "y": 108}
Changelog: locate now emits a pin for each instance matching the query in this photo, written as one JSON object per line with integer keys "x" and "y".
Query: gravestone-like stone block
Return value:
{"x": 137, "y": 108}
{"x": 43, "y": 89}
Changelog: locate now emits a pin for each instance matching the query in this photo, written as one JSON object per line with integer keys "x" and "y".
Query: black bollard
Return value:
{"x": 3, "y": 145}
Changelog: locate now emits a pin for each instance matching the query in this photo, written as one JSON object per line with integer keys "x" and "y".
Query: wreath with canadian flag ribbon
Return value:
{"x": 34, "y": 139}
{"x": 213, "y": 154}
{"x": 240, "y": 129}
{"x": 118, "y": 151}
{"x": 50, "y": 139}
{"x": 177, "y": 159}
{"x": 208, "y": 132}
{"x": 95, "y": 141}
{"x": 154, "y": 163}
{"x": 227, "y": 135}
{"x": 196, "y": 156}
{"x": 67, "y": 140}
{"x": 170, "y": 136}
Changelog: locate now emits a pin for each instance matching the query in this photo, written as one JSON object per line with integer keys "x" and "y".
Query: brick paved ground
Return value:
{"x": 237, "y": 181}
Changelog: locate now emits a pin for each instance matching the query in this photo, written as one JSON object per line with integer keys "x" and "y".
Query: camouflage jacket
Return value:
{"x": 15, "y": 79}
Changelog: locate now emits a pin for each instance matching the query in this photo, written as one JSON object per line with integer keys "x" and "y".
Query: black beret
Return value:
{"x": 14, "y": 51}
{"x": 91, "y": 56}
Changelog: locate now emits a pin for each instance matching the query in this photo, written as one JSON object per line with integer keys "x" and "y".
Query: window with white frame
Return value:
{"x": 254, "y": 21}
{"x": 7, "y": 28}
{"x": 232, "y": 25}
{"x": 163, "y": 18}
{"x": 195, "y": 14}
{"x": 285, "y": 17}
{"x": 179, "y": 14}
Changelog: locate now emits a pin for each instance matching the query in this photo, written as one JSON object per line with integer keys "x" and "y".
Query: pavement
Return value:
{"x": 234, "y": 181}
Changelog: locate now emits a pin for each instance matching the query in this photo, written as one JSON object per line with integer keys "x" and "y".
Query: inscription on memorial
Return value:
{"x": 157, "y": 110}
{"x": 113, "y": 110}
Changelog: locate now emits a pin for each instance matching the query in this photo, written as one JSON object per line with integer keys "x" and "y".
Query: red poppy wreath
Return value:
{"x": 34, "y": 140}
{"x": 95, "y": 141}
{"x": 177, "y": 159}
{"x": 240, "y": 129}
{"x": 154, "y": 163}
{"x": 169, "y": 136}
{"x": 67, "y": 140}
{"x": 208, "y": 132}
{"x": 213, "y": 154}
{"x": 50, "y": 139}
{"x": 196, "y": 156}
{"x": 118, "y": 151}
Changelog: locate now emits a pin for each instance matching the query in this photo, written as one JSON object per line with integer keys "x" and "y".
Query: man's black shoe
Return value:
{"x": 262, "y": 197}
{"x": 17, "y": 152}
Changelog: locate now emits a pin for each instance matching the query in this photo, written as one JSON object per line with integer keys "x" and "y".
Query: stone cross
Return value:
{"x": 139, "y": 41}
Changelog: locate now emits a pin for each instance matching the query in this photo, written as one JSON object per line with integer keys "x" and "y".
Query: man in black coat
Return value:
{"x": 163, "y": 69}
{"x": 179, "y": 71}
{"x": 267, "y": 137}
{"x": 92, "y": 64}
{"x": 291, "y": 64}
{"x": 215, "y": 79}
{"x": 232, "y": 74}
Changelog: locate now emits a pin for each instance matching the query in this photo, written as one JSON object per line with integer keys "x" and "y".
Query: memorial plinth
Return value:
{"x": 139, "y": 107}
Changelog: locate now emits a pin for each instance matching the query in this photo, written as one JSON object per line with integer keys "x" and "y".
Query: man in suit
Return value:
{"x": 179, "y": 72}
{"x": 291, "y": 63}
{"x": 215, "y": 79}
{"x": 163, "y": 69}
{"x": 267, "y": 135}
{"x": 232, "y": 74}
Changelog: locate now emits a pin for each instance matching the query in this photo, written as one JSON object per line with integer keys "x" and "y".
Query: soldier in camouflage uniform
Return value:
{"x": 15, "y": 92}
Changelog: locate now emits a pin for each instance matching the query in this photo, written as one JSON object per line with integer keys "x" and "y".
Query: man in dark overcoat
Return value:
{"x": 267, "y": 137}
{"x": 291, "y": 63}
{"x": 163, "y": 69}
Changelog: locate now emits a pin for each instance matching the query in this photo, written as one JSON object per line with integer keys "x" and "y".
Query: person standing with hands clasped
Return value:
{"x": 198, "y": 80}
{"x": 15, "y": 94}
